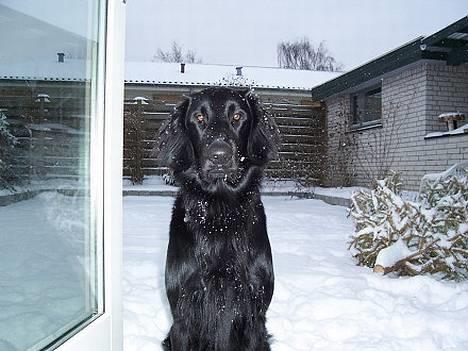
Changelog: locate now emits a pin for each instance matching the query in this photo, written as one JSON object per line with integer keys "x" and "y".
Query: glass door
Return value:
{"x": 52, "y": 171}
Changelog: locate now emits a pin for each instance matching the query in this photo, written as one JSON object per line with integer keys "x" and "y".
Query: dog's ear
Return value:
{"x": 264, "y": 135}
{"x": 174, "y": 147}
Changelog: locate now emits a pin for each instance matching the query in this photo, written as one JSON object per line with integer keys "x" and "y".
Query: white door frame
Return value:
{"x": 106, "y": 332}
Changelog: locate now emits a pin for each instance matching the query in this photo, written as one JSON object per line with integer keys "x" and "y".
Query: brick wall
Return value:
{"x": 412, "y": 98}
{"x": 447, "y": 91}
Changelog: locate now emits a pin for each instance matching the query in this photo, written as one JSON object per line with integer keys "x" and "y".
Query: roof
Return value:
{"x": 169, "y": 74}
{"x": 450, "y": 44}
{"x": 201, "y": 74}
{"x": 70, "y": 70}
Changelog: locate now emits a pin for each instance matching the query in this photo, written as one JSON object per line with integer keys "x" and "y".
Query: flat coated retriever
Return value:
{"x": 219, "y": 272}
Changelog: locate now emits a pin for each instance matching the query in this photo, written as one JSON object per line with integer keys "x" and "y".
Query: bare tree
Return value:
{"x": 369, "y": 155}
{"x": 176, "y": 54}
{"x": 376, "y": 150}
{"x": 302, "y": 54}
{"x": 342, "y": 148}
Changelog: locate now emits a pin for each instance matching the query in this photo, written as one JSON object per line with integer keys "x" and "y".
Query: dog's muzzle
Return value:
{"x": 219, "y": 158}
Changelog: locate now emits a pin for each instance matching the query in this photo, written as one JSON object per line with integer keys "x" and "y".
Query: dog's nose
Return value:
{"x": 220, "y": 152}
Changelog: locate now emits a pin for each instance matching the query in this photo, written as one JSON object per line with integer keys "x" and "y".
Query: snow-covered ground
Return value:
{"x": 157, "y": 183}
{"x": 42, "y": 278}
{"x": 322, "y": 301}
{"x": 48, "y": 185}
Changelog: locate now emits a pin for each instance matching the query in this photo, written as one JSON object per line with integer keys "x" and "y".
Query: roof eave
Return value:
{"x": 395, "y": 59}
{"x": 437, "y": 46}
{"x": 457, "y": 26}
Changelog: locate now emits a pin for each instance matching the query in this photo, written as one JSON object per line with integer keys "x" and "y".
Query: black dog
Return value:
{"x": 219, "y": 272}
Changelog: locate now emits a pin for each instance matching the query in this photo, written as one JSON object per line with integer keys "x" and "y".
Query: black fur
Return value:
{"x": 219, "y": 272}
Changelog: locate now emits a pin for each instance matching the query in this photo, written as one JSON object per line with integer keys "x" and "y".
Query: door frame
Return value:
{"x": 106, "y": 332}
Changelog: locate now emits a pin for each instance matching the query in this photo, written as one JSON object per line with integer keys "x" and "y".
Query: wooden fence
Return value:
{"x": 50, "y": 121}
{"x": 300, "y": 121}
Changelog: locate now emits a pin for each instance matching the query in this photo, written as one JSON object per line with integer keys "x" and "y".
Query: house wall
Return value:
{"x": 412, "y": 98}
{"x": 446, "y": 91}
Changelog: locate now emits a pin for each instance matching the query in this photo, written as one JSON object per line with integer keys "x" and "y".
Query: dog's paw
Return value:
{"x": 166, "y": 344}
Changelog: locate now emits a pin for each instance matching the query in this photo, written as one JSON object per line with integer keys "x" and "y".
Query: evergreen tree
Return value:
{"x": 431, "y": 235}
{"x": 7, "y": 145}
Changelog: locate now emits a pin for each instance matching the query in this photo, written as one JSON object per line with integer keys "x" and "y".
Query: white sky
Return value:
{"x": 71, "y": 15}
{"x": 247, "y": 31}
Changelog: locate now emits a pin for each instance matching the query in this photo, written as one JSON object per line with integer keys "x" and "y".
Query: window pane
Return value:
{"x": 373, "y": 105}
{"x": 49, "y": 246}
{"x": 355, "y": 109}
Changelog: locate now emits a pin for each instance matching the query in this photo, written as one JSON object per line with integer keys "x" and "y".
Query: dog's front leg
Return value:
{"x": 178, "y": 275}
{"x": 181, "y": 273}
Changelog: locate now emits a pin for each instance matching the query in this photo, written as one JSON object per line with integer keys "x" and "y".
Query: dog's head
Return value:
{"x": 219, "y": 138}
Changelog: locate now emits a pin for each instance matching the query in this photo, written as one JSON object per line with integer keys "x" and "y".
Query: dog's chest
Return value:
{"x": 222, "y": 237}
{"x": 218, "y": 220}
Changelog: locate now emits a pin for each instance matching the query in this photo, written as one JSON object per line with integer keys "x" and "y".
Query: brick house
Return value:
{"x": 394, "y": 112}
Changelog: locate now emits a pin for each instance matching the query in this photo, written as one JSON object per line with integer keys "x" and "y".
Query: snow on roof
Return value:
{"x": 169, "y": 74}
{"x": 201, "y": 74}
{"x": 75, "y": 70}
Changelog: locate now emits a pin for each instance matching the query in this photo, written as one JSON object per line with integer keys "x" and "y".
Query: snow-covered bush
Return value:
{"x": 411, "y": 238}
{"x": 7, "y": 145}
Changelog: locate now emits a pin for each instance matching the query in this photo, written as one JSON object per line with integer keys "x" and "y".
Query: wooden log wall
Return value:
{"x": 300, "y": 121}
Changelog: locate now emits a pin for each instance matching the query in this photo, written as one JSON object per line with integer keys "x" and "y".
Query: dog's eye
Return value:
{"x": 236, "y": 116}
{"x": 200, "y": 117}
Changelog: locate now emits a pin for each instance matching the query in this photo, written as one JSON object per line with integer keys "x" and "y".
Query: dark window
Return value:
{"x": 366, "y": 107}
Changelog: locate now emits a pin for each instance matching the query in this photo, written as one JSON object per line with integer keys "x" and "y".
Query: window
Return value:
{"x": 366, "y": 107}
{"x": 58, "y": 92}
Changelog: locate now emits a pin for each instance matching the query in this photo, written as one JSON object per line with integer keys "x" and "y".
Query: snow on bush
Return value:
{"x": 411, "y": 238}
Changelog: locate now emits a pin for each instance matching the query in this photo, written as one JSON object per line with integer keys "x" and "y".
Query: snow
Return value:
{"x": 59, "y": 184}
{"x": 41, "y": 274}
{"x": 47, "y": 127}
{"x": 392, "y": 254}
{"x": 156, "y": 183}
{"x": 169, "y": 74}
{"x": 139, "y": 100}
{"x": 203, "y": 74}
{"x": 344, "y": 192}
{"x": 322, "y": 300}
{"x": 71, "y": 69}
{"x": 460, "y": 130}
{"x": 450, "y": 114}
{"x": 458, "y": 169}
{"x": 150, "y": 183}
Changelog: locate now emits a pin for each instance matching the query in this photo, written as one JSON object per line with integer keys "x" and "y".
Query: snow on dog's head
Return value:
{"x": 218, "y": 138}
